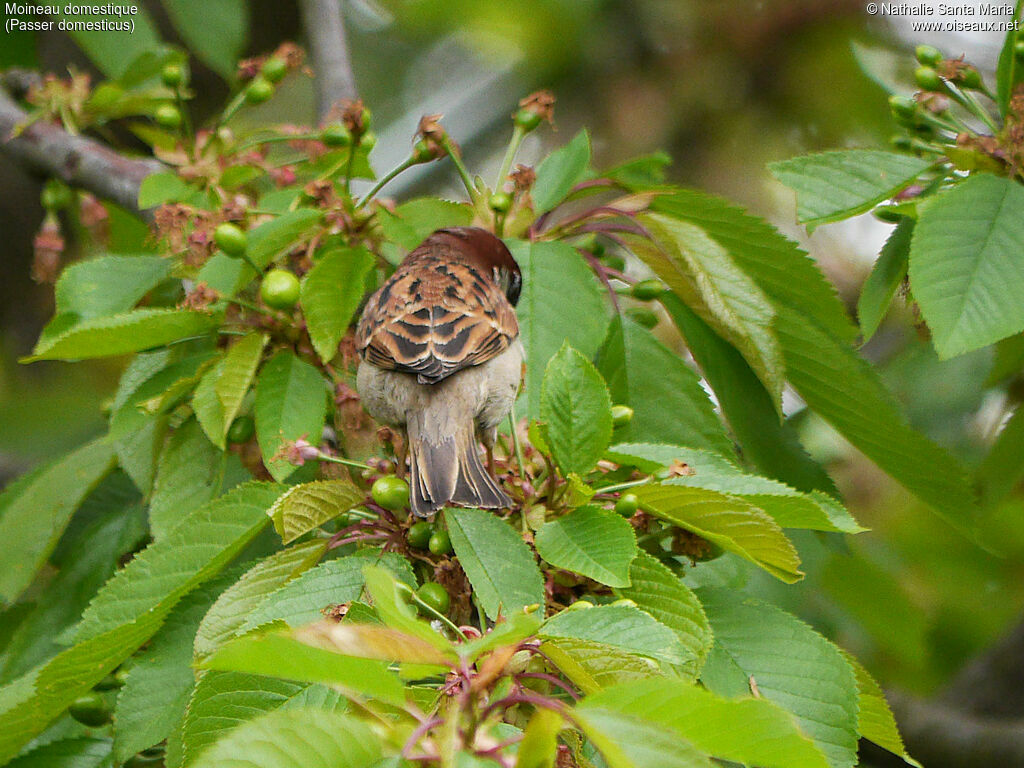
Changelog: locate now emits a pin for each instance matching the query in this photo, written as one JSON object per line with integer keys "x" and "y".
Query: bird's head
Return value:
{"x": 488, "y": 254}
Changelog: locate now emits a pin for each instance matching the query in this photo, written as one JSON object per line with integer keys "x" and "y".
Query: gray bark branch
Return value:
{"x": 328, "y": 53}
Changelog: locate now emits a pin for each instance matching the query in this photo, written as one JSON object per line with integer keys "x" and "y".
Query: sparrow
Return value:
{"x": 441, "y": 359}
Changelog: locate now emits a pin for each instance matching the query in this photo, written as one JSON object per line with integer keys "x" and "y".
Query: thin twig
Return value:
{"x": 328, "y": 52}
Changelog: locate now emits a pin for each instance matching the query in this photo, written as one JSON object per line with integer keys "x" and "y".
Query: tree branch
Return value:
{"x": 77, "y": 160}
{"x": 328, "y": 51}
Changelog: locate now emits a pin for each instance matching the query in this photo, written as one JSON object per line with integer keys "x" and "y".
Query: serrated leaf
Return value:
{"x": 228, "y": 615}
{"x": 372, "y": 641}
{"x": 620, "y": 626}
{"x": 702, "y": 273}
{"x": 208, "y": 409}
{"x": 668, "y": 403}
{"x": 107, "y": 285}
{"x": 121, "y": 334}
{"x": 291, "y": 402}
{"x": 551, "y": 271}
{"x": 628, "y": 741}
{"x": 269, "y": 239}
{"x": 885, "y": 279}
{"x": 302, "y": 600}
{"x": 659, "y": 592}
{"x": 415, "y": 219}
{"x": 305, "y": 507}
{"x": 735, "y": 525}
{"x": 295, "y": 738}
{"x": 395, "y": 611}
{"x": 747, "y": 730}
{"x": 216, "y": 32}
{"x": 500, "y": 566}
{"x": 875, "y": 721}
{"x": 965, "y": 263}
{"x": 846, "y": 391}
{"x": 195, "y": 551}
{"x": 576, "y": 406}
{"x": 80, "y": 752}
{"x": 590, "y": 541}
{"x": 792, "y": 665}
{"x": 561, "y": 171}
{"x": 787, "y": 506}
{"x": 784, "y": 272}
{"x": 592, "y": 666}
{"x": 277, "y": 654}
{"x": 234, "y": 377}
{"x": 159, "y": 188}
{"x": 35, "y": 510}
{"x": 769, "y": 444}
{"x": 222, "y": 701}
{"x": 836, "y": 185}
{"x": 330, "y": 295}
{"x": 515, "y": 628}
{"x": 540, "y": 740}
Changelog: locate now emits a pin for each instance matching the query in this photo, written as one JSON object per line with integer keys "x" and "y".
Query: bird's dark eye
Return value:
{"x": 515, "y": 285}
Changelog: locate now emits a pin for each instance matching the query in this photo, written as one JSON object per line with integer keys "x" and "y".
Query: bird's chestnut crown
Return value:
{"x": 490, "y": 255}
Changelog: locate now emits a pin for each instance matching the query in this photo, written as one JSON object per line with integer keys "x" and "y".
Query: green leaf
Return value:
{"x": 769, "y": 444}
{"x": 35, "y": 510}
{"x": 592, "y": 666}
{"x": 575, "y": 404}
{"x": 964, "y": 263}
{"x": 331, "y": 292}
{"x": 875, "y": 721}
{"x": 208, "y": 409}
{"x": 620, "y": 626}
{"x": 746, "y": 730}
{"x": 788, "y": 507}
{"x": 669, "y": 405}
{"x": 1008, "y": 70}
{"x": 641, "y": 172}
{"x": 662, "y": 594}
{"x": 628, "y": 741}
{"x": 792, "y": 665}
{"x": 395, "y": 611}
{"x": 885, "y": 279}
{"x": 498, "y": 562}
{"x": 234, "y": 606}
{"x": 305, "y": 507}
{"x": 121, "y": 334}
{"x": 735, "y": 525}
{"x": 295, "y": 738}
{"x": 702, "y": 273}
{"x": 160, "y": 679}
{"x": 235, "y": 376}
{"x": 560, "y": 171}
{"x": 193, "y": 552}
{"x": 112, "y": 49}
{"x": 108, "y": 285}
{"x": 271, "y": 238}
{"x": 280, "y": 655}
{"x": 303, "y": 599}
{"x": 1003, "y": 465}
{"x": 222, "y": 701}
{"x": 840, "y": 386}
{"x": 551, "y": 272}
{"x": 785, "y": 273}
{"x": 67, "y": 753}
{"x": 590, "y": 541}
{"x": 216, "y": 32}
{"x": 291, "y": 402}
{"x": 831, "y": 186}
{"x": 159, "y": 188}
{"x": 415, "y": 219}
{"x": 540, "y": 740}
{"x": 374, "y": 641}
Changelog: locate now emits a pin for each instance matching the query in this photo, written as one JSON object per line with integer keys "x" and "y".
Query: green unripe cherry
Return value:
{"x": 90, "y": 709}
{"x": 902, "y": 106}
{"x": 230, "y": 239}
{"x": 336, "y": 135}
{"x": 928, "y": 55}
{"x": 368, "y": 140}
{"x": 927, "y": 79}
{"x": 500, "y": 202}
{"x": 418, "y": 535}
{"x": 970, "y": 79}
{"x": 440, "y": 542}
{"x": 624, "y": 601}
{"x": 259, "y": 90}
{"x": 421, "y": 153}
{"x": 580, "y": 605}
{"x": 274, "y": 69}
{"x": 280, "y": 289}
{"x": 391, "y": 492}
{"x": 628, "y": 504}
{"x": 172, "y": 75}
{"x": 1018, "y": 49}
{"x": 168, "y": 115}
{"x": 646, "y": 290}
{"x": 621, "y": 415}
{"x": 527, "y": 119}
{"x": 434, "y": 595}
{"x": 241, "y": 430}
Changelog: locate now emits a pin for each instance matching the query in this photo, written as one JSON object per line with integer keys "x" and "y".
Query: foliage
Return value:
{"x": 267, "y": 612}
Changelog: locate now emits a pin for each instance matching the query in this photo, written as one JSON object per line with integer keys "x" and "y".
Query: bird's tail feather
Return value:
{"x": 448, "y": 471}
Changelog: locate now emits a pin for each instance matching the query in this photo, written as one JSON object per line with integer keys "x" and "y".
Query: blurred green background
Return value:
{"x": 724, "y": 87}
